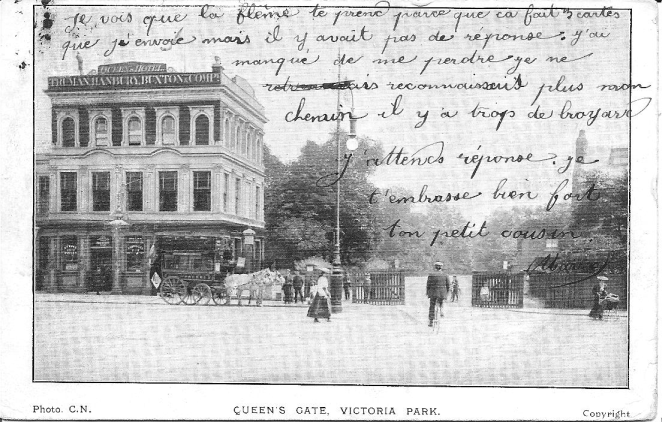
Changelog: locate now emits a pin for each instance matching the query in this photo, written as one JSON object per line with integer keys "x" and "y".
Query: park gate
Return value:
{"x": 573, "y": 291}
{"x": 384, "y": 287}
{"x": 497, "y": 290}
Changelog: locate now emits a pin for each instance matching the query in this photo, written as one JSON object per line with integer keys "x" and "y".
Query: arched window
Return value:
{"x": 68, "y": 132}
{"x": 168, "y": 130}
{"x": 135, "y": 131}
{"x": 202, "y": 130}
{"x": 101, "y": 131}
{"x": 250, "y": 145}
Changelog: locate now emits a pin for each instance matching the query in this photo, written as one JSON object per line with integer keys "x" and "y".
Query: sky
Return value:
{"x": 606, "y": 61}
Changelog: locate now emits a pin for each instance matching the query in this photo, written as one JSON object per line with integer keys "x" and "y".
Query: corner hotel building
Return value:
{"x": 175, "y": 158}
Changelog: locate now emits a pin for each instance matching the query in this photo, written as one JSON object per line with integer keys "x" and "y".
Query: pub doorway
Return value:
{"x": 101, "y": 261}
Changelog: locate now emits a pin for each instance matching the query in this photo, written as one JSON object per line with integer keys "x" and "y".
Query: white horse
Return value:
{"x": 254, "y": 283}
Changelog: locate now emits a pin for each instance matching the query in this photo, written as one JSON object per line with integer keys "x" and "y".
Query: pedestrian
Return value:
{"x": 320, "y": 306}
{"x": 307, "y": 286}
{"x": 297, "y": 284}
{"x": 599, "y": 294}
{"x": 438, "y": 286}
{"x": 287, "y": 287}
{"x": 367, "y": 287}
{"x": 346, "y": 285}
{"x": 455, "y": 289}
{"x": 98, "y": 279}
{"x": 155, "y": 275}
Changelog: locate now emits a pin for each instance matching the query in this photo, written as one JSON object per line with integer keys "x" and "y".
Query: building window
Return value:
{"x": 68, "y": 132}
{"x": 226, "y": 133}
{"x": 101, "y": 131}
{"x": 101, "y": 191}
{"x": 134, "y": 189}
{"x": 201, "y": 191}
{"x": 237, "y": 196}
{"x": 243, "y": 141}
{"x": 257, "y": 202}
{"x": 237, "y": 248}
{"x": 135, "y": 131}
{"x": 43, "y": 194}
{"x": 250, "y": 146}
{"x": 259, "y": 150}
{"x": 168, "y": 131}
{"x": 68, "y": 199}
{"x": 552, "y": 243}
{"x": 226, "y": 190}
{"x": 168, "y": 191}
{"x": 202, "y": 130}
{"x": 135, "y": 252}
{"x": 235, "y": 139}
{"x": 69, "y": 253}
{"x": 258, "y": 253}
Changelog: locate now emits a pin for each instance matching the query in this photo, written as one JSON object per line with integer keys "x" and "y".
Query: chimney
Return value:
{"x": 217, "y": 67}
{"x": 581, "y": 145}
{"x": 80, "y": 63}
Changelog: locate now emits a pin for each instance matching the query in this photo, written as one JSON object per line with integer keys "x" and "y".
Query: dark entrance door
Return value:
{"x": 42, "y": 263}
{"x": 101, "y": 269}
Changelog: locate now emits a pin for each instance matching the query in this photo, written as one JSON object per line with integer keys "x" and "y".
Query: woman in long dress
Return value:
{"x": 320, "y": 307}
{"x": 599, "y": 293}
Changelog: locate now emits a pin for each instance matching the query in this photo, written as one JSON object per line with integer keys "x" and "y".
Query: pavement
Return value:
{"x": 108, "y": 338}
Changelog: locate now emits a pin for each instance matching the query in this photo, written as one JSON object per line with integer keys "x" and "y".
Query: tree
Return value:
{"x": 603, "y": 221}
{"x": 300, "y": 207}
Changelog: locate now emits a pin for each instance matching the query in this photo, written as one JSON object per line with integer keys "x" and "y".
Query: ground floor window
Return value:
{"x": 69, "y": 253}
{"x": 135, "y": 253}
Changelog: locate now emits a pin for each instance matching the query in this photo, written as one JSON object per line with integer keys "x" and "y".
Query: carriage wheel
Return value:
{"x": 191, "y": 297}
{"x": 203, "y": 292}
{"x": 172, "y": 290}
{"x": 218, "y": 295}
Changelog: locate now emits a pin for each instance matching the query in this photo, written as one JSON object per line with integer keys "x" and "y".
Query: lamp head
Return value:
{"x": 352, "y": 142}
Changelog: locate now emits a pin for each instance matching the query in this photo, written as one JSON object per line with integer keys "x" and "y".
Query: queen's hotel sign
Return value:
{"x": 132, "y": 75}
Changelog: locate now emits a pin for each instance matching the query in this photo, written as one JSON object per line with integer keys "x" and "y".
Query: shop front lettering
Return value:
{"x": 162, "y": 79}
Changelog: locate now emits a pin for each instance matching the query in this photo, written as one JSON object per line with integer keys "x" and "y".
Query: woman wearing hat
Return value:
{"x": 599, "y": 293}
{"x": 320, "y": 306}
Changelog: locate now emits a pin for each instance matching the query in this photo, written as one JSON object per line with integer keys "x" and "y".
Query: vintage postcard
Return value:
{"x": 332, "y": 211}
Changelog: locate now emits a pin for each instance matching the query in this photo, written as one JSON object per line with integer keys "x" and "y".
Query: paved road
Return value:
{"x": 142, "y": 340}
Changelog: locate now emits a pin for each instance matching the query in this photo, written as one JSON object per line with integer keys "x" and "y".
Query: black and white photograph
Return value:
{"x": 330, "y": 211}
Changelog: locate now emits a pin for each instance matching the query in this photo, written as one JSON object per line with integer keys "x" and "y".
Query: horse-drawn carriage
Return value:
{"x": 193, "y": 277}
{"x": 200, "y": 277}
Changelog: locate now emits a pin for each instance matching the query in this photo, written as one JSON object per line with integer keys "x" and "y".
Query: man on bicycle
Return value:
{"x": 437, "y": 289}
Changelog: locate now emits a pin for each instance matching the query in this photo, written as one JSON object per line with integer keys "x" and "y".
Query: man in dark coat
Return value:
{"x": 437, "y": 288}
{"x": 297, "y": 283}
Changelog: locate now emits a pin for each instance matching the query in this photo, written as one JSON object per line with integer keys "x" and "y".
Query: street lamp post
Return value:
{"x": 117, "y": 224}
{"x": 337, "y": 273}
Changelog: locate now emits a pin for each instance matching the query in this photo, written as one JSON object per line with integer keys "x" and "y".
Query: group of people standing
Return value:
{"x": 294, "y": 283}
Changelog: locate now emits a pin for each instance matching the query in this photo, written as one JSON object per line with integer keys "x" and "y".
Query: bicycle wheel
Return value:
{"x": 437, "y": 318}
